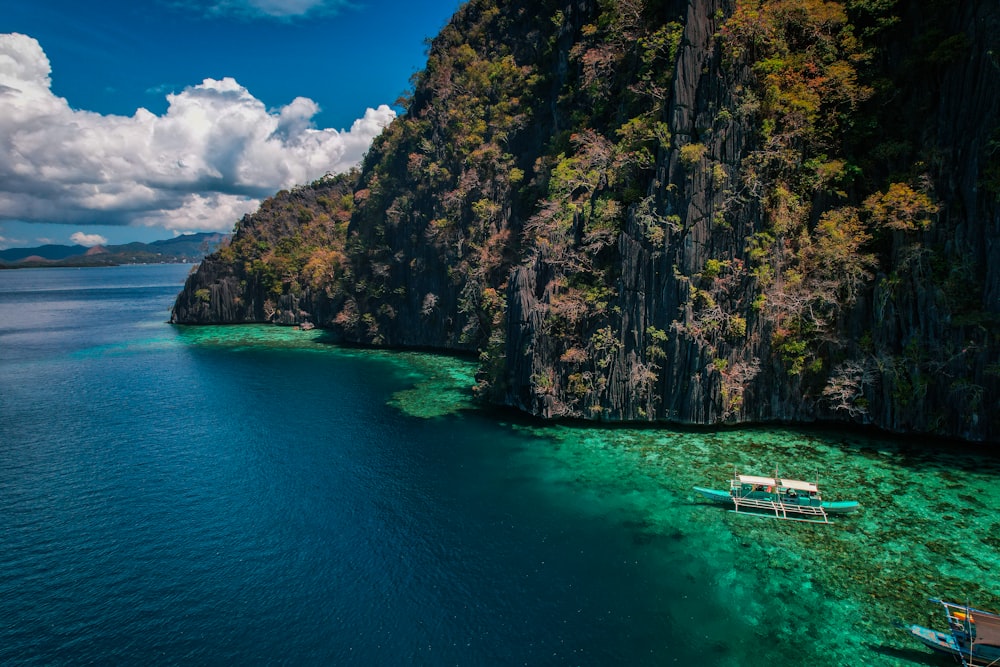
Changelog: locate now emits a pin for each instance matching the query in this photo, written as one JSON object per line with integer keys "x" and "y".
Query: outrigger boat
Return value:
{"x": 973, "y": 637}
{"x": 790, "y": 499}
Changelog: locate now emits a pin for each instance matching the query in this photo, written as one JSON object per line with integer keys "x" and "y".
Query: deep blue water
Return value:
{"x": 168, "y": 503}
{"x": 251, "y": 495}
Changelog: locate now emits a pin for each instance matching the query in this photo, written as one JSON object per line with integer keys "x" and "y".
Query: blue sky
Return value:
{"x": 131, "y": 120}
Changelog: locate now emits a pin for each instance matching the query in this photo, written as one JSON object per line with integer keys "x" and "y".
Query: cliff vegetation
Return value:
{"x": 700, "y": 212}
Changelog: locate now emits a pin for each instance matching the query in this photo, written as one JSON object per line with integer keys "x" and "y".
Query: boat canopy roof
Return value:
{"x": 987, "y": 623}
{"x": 796, "y": 484}
{"x": 987, "y": 628}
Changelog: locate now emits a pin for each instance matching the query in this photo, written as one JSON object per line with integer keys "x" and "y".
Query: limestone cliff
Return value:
{"x": 704, "y": 212}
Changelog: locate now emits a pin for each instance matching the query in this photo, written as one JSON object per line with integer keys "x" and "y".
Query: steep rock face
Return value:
{"x": 910, "y": 352}
{"x": 279, "y": 265}
{"x": 700, "y": 212}
{"x": 934, "y": 309}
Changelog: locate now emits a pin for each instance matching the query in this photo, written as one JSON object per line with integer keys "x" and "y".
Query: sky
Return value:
{"x": 125, "y": 120}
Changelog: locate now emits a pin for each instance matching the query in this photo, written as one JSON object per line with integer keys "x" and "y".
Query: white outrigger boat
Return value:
{"x": 973, "y": 636}
{"x": 790, "y": 499}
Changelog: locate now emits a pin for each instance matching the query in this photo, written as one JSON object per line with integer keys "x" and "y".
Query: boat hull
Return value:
{"x": 841, "y": 506}
{"x": 939, "y": 641}
{"x": 830, "y": 507}
{"x": 945, "y": 643}
{"x": 721, "y": 497}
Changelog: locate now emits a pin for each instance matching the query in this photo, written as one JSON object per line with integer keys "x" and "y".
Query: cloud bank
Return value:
{"x": 205, "y": 162}
{"x": 88, "y": 239}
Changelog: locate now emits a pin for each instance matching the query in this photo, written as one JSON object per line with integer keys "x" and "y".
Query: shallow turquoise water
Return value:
{"x": 253, "y": 494}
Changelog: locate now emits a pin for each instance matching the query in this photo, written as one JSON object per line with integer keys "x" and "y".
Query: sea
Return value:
{"x": 257, "y": 495}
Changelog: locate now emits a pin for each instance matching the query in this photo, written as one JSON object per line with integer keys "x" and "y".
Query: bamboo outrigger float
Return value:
{"x": 790, "y": 499}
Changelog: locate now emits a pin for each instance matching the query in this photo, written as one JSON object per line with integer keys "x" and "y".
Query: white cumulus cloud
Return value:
{"x": 209, "y": 159}
{"x": 88, "y": 239}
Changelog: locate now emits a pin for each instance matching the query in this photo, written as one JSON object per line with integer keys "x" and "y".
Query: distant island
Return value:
{"x": 184, "y": 249}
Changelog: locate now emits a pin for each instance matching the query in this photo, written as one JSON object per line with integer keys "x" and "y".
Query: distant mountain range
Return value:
{"x": 188, "y": 248}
